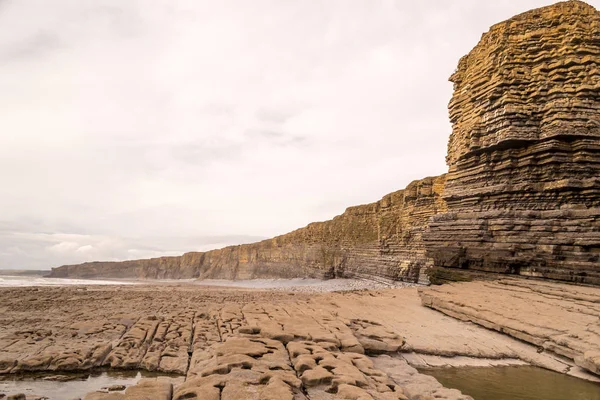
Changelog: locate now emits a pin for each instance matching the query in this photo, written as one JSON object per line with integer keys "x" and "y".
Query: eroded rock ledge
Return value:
{"x": 562, "y": 319}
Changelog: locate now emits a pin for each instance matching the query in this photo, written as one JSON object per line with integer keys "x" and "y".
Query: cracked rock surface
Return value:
{"x": 245, "y": 344}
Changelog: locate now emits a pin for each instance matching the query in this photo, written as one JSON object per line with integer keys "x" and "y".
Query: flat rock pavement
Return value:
{"x": 253, "y": 344}
{"x": 560, "y": 318}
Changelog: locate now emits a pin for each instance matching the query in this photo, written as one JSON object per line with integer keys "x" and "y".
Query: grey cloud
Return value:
{"x": 277, "y": 138}
{"x": 200, "y": 155}
{"x": 295, "y": 141}
{"x": 47, "y": 250}
{"x": 274, "y": 116}
{"x": 218, "y": 109}
{"x": 123, "y": 21}
{"x": 269, "y": 134}
{"x": 34, "y": 46}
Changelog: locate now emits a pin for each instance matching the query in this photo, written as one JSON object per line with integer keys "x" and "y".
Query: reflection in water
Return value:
{"x": 78, "y": 385}
{"x": 515, "y": 383}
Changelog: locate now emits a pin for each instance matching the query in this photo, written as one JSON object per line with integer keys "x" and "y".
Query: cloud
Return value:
{"x": 275, "y": 117}
{"x": 33, "y": 46}
{"x": 136, "y": 129}
{"x": 42, "y": 250}
{"x": 63, "y": 247}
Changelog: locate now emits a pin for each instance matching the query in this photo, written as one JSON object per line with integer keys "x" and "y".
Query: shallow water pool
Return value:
{"x": 515, "y": 383}
{"x": 68, "y": 386}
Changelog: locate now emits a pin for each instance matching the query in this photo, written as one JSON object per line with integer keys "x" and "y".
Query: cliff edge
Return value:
{"x": 381, "y": 240}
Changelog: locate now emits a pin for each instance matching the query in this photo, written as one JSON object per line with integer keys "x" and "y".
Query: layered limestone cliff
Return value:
{"x": 381, "y": 240}
{"x": 522, "y": 195}
{"x": 523, "y": 188}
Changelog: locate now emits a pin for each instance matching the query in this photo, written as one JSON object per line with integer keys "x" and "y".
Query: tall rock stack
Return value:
{"x": 523, "y": 189}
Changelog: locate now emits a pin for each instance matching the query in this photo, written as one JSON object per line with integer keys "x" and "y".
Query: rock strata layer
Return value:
{"x": 381, "y": 240}
{"x": 523, "y": 188}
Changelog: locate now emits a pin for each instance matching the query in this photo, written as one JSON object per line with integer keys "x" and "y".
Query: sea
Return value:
{"x": 26, "y": 281}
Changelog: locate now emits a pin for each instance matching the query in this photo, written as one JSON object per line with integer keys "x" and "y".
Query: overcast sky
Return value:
{"x": 139, "y": 128}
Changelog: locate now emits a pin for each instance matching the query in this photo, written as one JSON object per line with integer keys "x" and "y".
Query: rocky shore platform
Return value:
{"x": 239, "y": 343}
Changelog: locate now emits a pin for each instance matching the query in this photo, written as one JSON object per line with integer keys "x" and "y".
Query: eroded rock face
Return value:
{"x": 377, "y": 240}
{"x": 530, "y": 78}
{"x": 523, "y": 189}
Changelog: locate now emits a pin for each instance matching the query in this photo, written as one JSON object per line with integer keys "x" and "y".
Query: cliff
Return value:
{"x": 523, "y": 188}
{"x": 522, "y": 195}
{"x": 381, "y": 240}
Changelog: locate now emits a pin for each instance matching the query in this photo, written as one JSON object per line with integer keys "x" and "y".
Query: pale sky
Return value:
{"x": 139, "y": 128}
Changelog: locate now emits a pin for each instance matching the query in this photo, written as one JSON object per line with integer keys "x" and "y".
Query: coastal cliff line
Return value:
{"x": 381, "y": 240}
{"x": 521, "y": 196}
